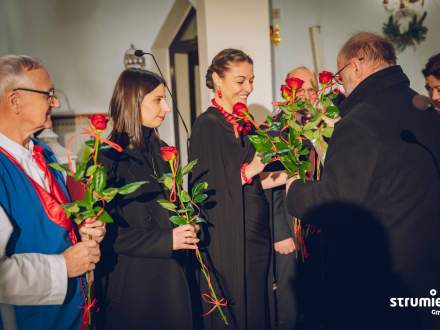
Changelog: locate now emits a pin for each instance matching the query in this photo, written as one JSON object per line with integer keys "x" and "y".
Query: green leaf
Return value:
{"x": 59, "y": 167}
{"x": 266, "y": 157}
{"x": 131, "y": 187}
{"x": 87, "y": 214}
{"x": 78, "y": 220}
{"x": 185, "y": 210}
{"x": 199, "y": 187}
{"x": 304, "y": 152}
{"x": 179, "y": 177}
{"x": 86, "y": 154}
{"x": 289, "y": 163}
{"x": 188, "y": 167}
{"x": 184, "y": 196}
{"x": 309, "y": 134}
{"x": 167, "y": 180}
{"x": 311, "y": 109}
{"x": 99, "y": 180}
{"x": 332, "y": 112}
{"x": 293, "y": 124}
{"x": 313, "y": 123}
{"x": 90, "y": 143}
{"x": 91, "y": 170}
{"x": 105, "y": 217}
{"x": 71, "y": 207}
{"x": 305, "y": 165}
{"x": 109, "y": 193}
{"x": 328, "y": 132}
{"x": 260, "y": 142}
{"x": 80, "y": 170}
{"x": 167, "y": 204}
{"x": 177, "y": 220}
{"x": 286, "y": 109}
{"x": 89, "y": 199}
{"x": 200, "y": 198}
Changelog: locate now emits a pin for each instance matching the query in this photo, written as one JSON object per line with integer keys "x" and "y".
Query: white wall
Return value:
{"x": 81, "y": 42}
{"x": 339, "y": 19}
{"x": 240, "y": 24}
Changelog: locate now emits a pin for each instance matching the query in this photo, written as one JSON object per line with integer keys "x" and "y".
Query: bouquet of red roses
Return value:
{"x": 296, "y": 120}
{"x": 297, "y": 126}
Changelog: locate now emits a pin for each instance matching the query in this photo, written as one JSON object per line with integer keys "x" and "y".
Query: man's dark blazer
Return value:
{"x": 378, "y": 204}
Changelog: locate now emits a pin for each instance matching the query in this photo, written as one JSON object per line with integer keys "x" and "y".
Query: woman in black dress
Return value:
{"x": 143, "y": 283}
{"x": 237, "y": 238}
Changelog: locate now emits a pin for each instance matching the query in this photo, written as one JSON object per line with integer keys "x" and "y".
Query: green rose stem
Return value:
{"x": 96, "y": 149}
{"x": 217, "y": 303}
{"x": 89, "y": 275}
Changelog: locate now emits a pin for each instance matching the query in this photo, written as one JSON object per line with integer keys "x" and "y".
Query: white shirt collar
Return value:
{"x": 16, "y": 150}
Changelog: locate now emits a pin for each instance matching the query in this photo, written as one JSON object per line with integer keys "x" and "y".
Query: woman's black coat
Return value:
{"x": 142, "y": 280}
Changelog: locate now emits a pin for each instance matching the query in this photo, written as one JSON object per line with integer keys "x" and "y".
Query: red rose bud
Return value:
{"x": 168, "y": 153}
{"x": 99, "y": 122}
{"x": 325, "y": 77}
{"x": 294, "y": 83}
{"x": 240, "y": 110}
{"x": 286, "y": 92}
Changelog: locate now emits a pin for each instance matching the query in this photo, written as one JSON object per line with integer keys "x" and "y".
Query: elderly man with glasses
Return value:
{"x": 378, "y": 200}
{"x": 41, "y": 262}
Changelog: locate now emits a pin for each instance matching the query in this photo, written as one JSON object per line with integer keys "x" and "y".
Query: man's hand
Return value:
{"x": 94, "y": 230}
{"x": 81, "y": 257}
{"x": 286, "y": 246}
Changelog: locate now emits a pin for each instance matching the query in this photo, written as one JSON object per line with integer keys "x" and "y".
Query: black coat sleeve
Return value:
{"x": 281, "y": 218}
{"x": 349, "y": 167}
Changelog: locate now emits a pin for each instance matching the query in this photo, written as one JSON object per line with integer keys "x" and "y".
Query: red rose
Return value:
{"x": 168, "y": 153}
{"x": 99, "y": 122}
{"x": 325, "y": 77}
{"x": 294, "y": 83}
{"x": 286, "y": 92}
{"x": 240, "y": 110}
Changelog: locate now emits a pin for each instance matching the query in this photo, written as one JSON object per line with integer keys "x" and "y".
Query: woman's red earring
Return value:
{"x": 219, "y": 94}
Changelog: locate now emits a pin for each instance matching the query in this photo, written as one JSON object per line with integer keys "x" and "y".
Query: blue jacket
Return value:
{"x": 34, "y": 232}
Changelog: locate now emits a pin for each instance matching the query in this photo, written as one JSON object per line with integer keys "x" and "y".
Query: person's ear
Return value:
{"x": 13, "y": 101}
{"x": 358, "y": 68}
{"x": 217, "y": 80}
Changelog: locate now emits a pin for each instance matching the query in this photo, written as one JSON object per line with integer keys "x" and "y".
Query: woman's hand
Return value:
{"x": 185, "y": 237}
{"x": 255, "y": 167}
{"x": 92, "y": 230}
{"x": 285, "y": 246}
{"x": 271, "y": 180}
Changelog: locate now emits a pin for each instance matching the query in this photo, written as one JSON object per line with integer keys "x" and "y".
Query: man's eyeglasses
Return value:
{"x": 337, "y": 75}
{"x": 51, "y": 94}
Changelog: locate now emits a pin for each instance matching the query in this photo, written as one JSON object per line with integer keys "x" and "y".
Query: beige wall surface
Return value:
{"x": 339, "y": 19}
{"x": 240, "y": 24}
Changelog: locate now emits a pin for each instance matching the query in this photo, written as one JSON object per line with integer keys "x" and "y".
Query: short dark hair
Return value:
{"x": 369, "y": 46}
{"x": 220, "y": 63}
{"x": 432, "y": 68}
{"x": 125, "y": 105}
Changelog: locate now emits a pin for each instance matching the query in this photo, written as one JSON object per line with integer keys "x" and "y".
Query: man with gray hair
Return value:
{"x": 378, "y": 198}
{"x": 40, "y": 259}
